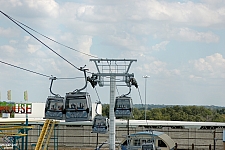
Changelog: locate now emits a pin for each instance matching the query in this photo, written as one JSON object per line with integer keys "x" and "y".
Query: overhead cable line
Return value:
{"x": 142, "y": 105}
{"x": 97, "y": 94}
{"x": 25, "y": 69}
{"x": 34, "y": 71}
{"x": 52, "y": 39}
{"x": 69, "y": 78}
{"x": 140, "y": 96}
{"x": 117, "y": 91}
{"x": 40, "y": 41}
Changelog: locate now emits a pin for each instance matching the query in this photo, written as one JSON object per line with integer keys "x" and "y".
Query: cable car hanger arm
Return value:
{"x": 85, "y": 78}
{"x": 132, "y": 82}
{"x": 52, "y": 78}
{"x": 128, "y": 92}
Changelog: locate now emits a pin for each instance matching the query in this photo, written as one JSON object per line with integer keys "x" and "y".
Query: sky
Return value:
{"x": 178, "y": 44}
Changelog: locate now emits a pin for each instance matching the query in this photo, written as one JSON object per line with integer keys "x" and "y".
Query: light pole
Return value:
{"x": 146, "y": 76}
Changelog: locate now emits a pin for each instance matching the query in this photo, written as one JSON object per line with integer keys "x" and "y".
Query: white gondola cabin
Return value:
{"x": 100, "y": 124}
{"x": 54, "y": 108}
{"x": 78, "y": 107}
{"x": 123, "y": 106}
{"x": 160, "y": 140}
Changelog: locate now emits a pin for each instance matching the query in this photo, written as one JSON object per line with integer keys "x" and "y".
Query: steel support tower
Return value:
{"x": 110, "y": 71}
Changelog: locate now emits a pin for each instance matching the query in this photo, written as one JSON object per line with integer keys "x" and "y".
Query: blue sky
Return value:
{"x": 179, "y": 44}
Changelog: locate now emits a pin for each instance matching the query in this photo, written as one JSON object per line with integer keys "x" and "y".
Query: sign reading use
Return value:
{"x": 11, "y": 107}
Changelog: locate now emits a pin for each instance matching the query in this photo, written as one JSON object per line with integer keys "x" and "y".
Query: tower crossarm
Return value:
{"x": 113, "y": 66}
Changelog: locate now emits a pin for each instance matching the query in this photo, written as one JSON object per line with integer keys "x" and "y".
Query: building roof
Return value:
{"x": 150, "y": 133}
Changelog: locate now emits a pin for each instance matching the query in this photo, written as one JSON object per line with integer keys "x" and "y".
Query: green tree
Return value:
{"x": 176, "y": 113}
{"x": 137, "y": 114}
{"x": 105, "y": 110}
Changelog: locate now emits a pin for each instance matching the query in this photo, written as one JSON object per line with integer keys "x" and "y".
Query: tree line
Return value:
{"x": 176, "y": 113}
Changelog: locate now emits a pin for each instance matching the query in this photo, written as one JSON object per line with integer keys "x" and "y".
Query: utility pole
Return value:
{"x": 214, "y": 139}
{"x": 145, "y": 92}
{"x": 115, "y": 69}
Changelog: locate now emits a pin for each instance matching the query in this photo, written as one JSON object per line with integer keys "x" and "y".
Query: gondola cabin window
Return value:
{"x": 137, "y": 142}
{"x": 78, "y": 107}
{"x": 123, "y": 104}
{"x": 161, "y": 143}
{"x": 143, "y": 141}
{"x": 54, "y": 108}
{"x": 100, "y": 124}
{"x": 123, "y": 107}
{"x": 76, "y": 103}
{"x": 148, "y": 146}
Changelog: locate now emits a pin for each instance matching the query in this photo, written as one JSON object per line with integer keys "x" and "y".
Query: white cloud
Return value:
{"x": 176, "y": 72}
{"x": 84, "y": 43}
{"x": 33, "y": 8}
{"x": 7, "y": 50}
{"x": 166, "y": 20}
{"x": 81, "y": 43}
{"x": 50, "y": 7}
{"x": 8, "y": 32}
{"x": 194, "y": 77}
{"x": 187, "y": 34}
{"x": 200, "y": 14}
{"x": 95, "y": 13}
{"x": 214, "y": 3}
{"x": 33, "y": 48}
{"x": 191, "y": 35}
{"x": 127, "y": 42}
{"x": 67, "y": 36}
{"x": 15, "y": 3}
{"x": 160, "y": 46}
{"x": 13, "y": 42}
{"x": 26, "y": 38}
{"x": 212, "y": 66}
{"x": 151, "y": 66}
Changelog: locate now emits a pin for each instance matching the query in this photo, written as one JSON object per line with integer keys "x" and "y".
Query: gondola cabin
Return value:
{"x": 100, "y": 124}
{"x": 78, "y": 107}
{"x": 123, "y": 107}
{"x": 54, "y": 108}
{"x": 142, "y": 140}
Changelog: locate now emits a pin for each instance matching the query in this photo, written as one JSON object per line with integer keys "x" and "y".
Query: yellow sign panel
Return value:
{"x": 9, "y": 95}
{"x": 25, "y": 95}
